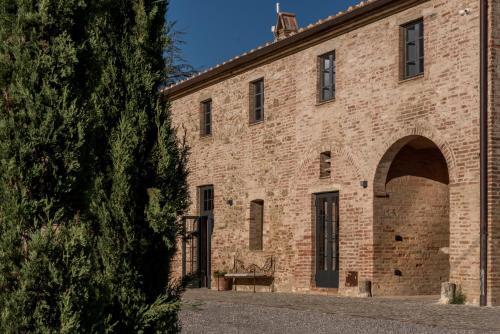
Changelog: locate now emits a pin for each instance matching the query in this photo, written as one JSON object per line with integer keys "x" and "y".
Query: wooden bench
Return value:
{"x": 252, "y": 271}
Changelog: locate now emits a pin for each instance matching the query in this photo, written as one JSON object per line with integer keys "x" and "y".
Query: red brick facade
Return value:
{"x": 415, "y": 141}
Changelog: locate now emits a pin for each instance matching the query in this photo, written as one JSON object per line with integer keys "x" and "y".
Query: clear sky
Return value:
{"x": 217, "y": 30}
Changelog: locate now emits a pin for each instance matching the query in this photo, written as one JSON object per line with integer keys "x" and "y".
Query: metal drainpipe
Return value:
{"x": 483, "y": 120}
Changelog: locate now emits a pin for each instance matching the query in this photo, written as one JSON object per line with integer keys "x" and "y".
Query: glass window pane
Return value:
{"x": 411, "y": 52}
{"x": 411, "y": 69}
{"x": 326, "y": 94}
{"x": 326, "y": 63}
{"x": 258, "y": 101}
{"x": 258, "y": 115}
{"x": 410, "y": 34}
{"x": 327, "y": 79}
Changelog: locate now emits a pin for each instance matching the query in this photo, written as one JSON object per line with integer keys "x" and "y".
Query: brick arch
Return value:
{"x": 300, "y": 193}
{"x": 313, "y": 153}
{"x": 406, "y": 230}
{"x": 397, "y": 141}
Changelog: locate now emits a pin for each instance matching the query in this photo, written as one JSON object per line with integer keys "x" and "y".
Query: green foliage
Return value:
{"x": 92, "y": 177}
{"x": 459, "y": 298}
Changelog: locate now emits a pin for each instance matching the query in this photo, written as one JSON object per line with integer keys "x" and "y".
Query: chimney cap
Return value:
{"x": 286, "y": 25}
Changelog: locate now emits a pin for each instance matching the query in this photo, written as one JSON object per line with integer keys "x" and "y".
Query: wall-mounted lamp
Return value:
{"x": 363, "y": 184}
{"x": 464, "y": 12}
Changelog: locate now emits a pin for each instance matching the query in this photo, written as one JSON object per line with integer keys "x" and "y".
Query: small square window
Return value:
{"x": 257, "y": 101}
{"x": 206, "y": 118}
{"x": 327, "y": 72}
{"x": 325, "y": 165}
{"x": 413, "y": 49}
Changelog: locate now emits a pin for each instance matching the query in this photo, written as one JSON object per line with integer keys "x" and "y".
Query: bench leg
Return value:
{"x": 254, "y": 283}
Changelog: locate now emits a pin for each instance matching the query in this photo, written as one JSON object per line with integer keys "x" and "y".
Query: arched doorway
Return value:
{"x": 411, "y": 219}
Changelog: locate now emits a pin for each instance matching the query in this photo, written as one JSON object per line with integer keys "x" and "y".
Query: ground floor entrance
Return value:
{"x": 327, "y": 240}
{"x": 402, "y": 222}
{"x": 197, "y": 242}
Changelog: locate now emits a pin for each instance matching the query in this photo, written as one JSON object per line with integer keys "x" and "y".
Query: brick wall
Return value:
{"x": 373, "y": 116}
{"x": 411, "y": 225}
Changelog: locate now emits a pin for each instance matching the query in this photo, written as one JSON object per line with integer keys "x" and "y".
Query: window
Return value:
{"x": 206, "y": 199}
{"x": 327, "y": 77}
{"x": 206, "y": 118}
{"x": 257, "y": 101}
{"x": 256, "y": 225}
{"x": 325, "y": 165}
{"x": 413, "y": 48}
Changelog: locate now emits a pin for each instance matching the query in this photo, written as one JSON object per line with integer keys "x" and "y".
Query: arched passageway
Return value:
{"x": 411, "y": 219}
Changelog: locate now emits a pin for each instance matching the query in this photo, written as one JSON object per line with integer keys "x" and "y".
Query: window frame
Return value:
{"x": 253, "y": 101}
{"x": 419, "y": 43}
{"x": 332, "y": 71}
{"x": 206, "y": 108}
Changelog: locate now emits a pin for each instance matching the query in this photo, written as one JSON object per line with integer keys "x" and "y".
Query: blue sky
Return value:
{"x": 217, "y": 30}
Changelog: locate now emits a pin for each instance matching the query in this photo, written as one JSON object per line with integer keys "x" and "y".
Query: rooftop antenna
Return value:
{"x": 277, "y": 8}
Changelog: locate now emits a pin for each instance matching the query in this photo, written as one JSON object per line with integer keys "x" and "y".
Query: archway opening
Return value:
{"x": 411, "y": 220}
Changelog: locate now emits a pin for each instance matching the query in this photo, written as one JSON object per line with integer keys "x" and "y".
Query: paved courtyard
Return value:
{"x": 207, "y": 311}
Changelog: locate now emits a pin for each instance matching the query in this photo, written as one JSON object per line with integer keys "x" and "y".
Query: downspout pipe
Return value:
{"x": 483, "y": 121}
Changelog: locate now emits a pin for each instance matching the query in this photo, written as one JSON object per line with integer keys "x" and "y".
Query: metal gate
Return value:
{"x": 196, "y": 250}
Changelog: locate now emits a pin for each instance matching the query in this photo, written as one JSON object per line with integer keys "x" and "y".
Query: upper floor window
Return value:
{"x": 206, "y": 118}
{"x": 413, "y": 36}
{"x": 257, "y": 101}
{"x": 207, "y": 198}
{"x": 327, "y": 77}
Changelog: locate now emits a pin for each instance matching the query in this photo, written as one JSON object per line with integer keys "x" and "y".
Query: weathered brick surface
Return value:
{"x": 373, "y": 116}
{"x": 415, "y": 209}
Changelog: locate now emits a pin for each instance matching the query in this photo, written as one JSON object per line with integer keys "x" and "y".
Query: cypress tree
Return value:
{"x": 92, "y": 176}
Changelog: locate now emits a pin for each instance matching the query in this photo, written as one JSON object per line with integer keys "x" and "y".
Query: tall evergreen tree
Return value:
{"x": 92, "y": 177}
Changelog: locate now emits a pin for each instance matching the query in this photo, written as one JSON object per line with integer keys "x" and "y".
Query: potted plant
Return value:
{"x": 223, "y": 283}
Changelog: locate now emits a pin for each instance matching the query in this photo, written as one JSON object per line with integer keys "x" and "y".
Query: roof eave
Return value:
{"x": 247, "y": 61}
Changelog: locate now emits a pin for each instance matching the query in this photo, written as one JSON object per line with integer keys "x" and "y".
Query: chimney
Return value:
{"x": 287, "y": 24}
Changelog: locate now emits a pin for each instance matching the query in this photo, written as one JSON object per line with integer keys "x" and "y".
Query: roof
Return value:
{"x": 355, "y": 16}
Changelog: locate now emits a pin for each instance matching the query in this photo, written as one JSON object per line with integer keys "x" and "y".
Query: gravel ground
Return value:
{"x": 212, "y": 312}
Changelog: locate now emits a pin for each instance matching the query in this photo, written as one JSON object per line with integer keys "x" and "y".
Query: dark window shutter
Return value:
{"x": 414, "y": 48}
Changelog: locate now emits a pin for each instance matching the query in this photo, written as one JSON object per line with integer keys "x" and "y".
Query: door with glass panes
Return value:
{"x": 206, "y": 194}
{"x": 327, "y": 240}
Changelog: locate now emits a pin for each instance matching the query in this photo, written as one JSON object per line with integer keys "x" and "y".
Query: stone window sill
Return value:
{"x": 256, "y": 123}
{"x": 320, "y": 103}
{"x": 413, "y": 78}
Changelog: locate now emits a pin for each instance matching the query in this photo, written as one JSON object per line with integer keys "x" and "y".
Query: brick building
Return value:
{"x": 349, "y": 151}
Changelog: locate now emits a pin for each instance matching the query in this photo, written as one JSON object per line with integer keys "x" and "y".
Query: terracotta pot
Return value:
{"x": 224, "y": 284}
